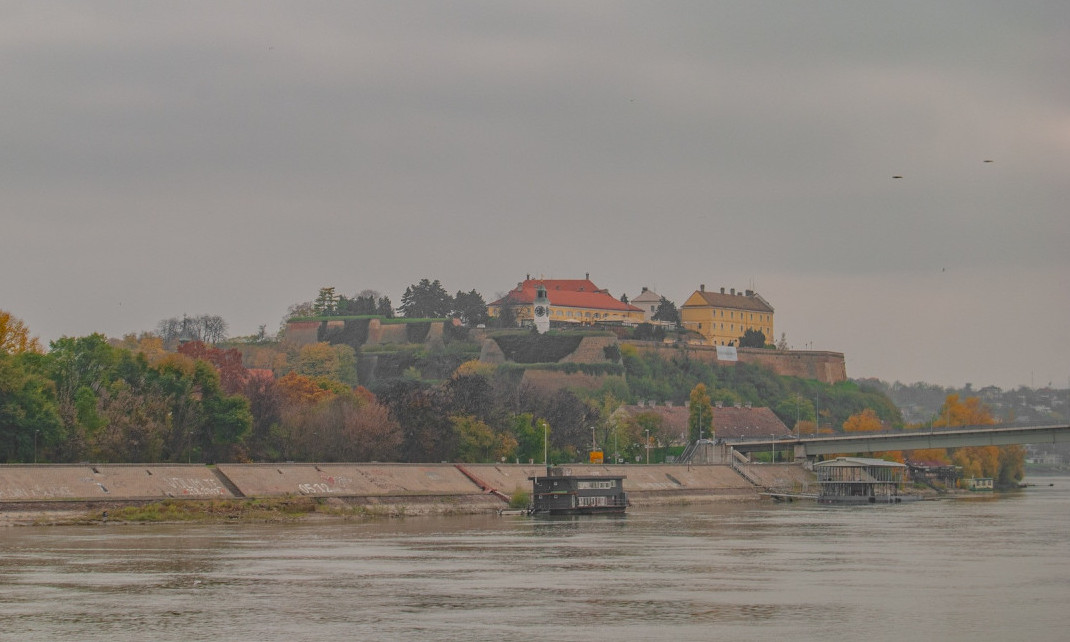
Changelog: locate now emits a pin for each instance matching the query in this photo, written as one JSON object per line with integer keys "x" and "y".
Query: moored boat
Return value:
{"x": 559, "y": 492}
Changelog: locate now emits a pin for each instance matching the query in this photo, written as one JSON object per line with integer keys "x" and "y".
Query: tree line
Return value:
{"x": 136, "y": 399}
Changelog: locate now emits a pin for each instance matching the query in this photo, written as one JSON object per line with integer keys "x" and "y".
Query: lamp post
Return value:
{"x": 546, "y": 446}
{"x": 648, "y": 445}
{"x": 35, "y": 445}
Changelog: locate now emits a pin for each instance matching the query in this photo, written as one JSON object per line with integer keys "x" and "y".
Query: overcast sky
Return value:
{"x": 160, "y": 159}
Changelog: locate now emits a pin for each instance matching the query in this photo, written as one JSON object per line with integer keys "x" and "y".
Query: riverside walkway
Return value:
{"x": 434, "y": 487}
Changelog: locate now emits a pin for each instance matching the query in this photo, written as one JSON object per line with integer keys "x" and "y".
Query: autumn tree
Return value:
{"x": 427, "y": 434}
{"x": 865, "y": 421}
{"x": 1003, "y": 463}
{"x": 478, "y": 442}
{"x": 342, "y": 426}
{"x": 146, "y": 343}
{"x": 337, "y": 362}
{"x": 700, "y": 415}
{"x": 970, "y": 412}
{"x": 15, "y": 336}
{"x": 228, "y": 363}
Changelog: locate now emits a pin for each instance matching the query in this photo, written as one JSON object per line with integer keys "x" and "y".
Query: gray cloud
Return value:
{"x": 230, "y": 159}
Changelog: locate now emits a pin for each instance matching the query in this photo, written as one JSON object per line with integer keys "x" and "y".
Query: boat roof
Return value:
{"x": 856, "y": 462}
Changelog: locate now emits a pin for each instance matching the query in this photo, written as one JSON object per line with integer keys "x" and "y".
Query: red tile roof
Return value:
{"x": 567, "y": 293}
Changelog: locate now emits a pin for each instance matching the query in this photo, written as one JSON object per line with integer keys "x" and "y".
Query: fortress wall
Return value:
{"x": 302, "y": 332}
{"x": 591, "y": 350}
{"x": 827, "y": 367}
{"x": 550, "y": 380}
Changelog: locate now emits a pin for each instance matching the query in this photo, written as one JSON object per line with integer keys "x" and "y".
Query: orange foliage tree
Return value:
{"x": 1006, "y": 464}
{"x": 865, "y": 421}
{"x": 15, "y": 336}
{"x": 868, "y": 421}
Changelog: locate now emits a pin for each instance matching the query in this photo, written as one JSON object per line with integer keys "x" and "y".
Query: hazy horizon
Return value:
{"x": 231, "y": 159}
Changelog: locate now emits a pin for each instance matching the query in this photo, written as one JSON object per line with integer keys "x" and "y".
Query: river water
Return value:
{"x": 983, "y": 568}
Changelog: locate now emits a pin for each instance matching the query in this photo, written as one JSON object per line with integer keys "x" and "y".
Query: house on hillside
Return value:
{"x": 723, "y": 317}
{"x": 572, "y": 302}
{"x": 648, "y": 301}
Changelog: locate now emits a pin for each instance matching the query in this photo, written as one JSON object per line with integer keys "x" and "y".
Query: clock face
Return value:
{"x": 539, "y": 311}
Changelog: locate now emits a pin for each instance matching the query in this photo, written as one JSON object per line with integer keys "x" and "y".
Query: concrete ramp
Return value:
{"x": 782, "y": 477}
{"x": 687, "y": 481}
{"x": 348, "y": 480}
{"x": 108, "y": 482}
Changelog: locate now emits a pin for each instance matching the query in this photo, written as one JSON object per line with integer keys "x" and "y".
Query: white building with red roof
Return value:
{"x": 572, "y": 301}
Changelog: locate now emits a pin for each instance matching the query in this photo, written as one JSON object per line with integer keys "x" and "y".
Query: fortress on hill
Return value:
{"x": 711, "y": 323}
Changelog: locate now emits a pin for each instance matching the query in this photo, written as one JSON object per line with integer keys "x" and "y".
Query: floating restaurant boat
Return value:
{"x": 560, "y": 492}
{"x": 858, "y": 480}
{"x": 980, "y": 484}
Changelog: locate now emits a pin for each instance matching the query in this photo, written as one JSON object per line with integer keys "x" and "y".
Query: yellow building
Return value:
{"x": 571, "y": 301}
{"x": 722, "y": 318}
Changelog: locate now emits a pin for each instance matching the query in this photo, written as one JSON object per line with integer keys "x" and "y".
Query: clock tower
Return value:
{"x": 542, "y": 310}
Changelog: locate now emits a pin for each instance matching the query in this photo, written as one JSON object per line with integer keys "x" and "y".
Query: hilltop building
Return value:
{"x": 722, "y": 318}
{"x": 571, "y": 301}
{"x": 648, "y": 301}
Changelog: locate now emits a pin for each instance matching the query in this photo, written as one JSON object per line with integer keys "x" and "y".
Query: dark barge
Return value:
{"x": 560, "y": 492}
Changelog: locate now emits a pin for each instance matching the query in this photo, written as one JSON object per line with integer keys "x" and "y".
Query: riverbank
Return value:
{"x": 83, "y": 493}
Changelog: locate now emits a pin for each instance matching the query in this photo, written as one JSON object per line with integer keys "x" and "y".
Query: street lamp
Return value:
{"x": 546, "y": 446}
{"x": 648, "y": 445}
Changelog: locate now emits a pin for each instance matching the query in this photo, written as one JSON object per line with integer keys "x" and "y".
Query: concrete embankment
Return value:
{"x": 391, "y": 488}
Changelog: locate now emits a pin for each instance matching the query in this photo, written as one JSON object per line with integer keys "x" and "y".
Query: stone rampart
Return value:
{"x": 826, "y": 367}
{"x": 302, "y": 332}
{"x": 550, "y": 380}
{"x": 591, "y": 350}
{"x": 380, "y": 333}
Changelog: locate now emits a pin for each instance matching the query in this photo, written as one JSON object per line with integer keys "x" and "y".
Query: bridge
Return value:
{"x": 954, "y": 437}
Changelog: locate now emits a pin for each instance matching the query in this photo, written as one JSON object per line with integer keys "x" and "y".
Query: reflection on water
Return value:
{"x": 984, "y": 568}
